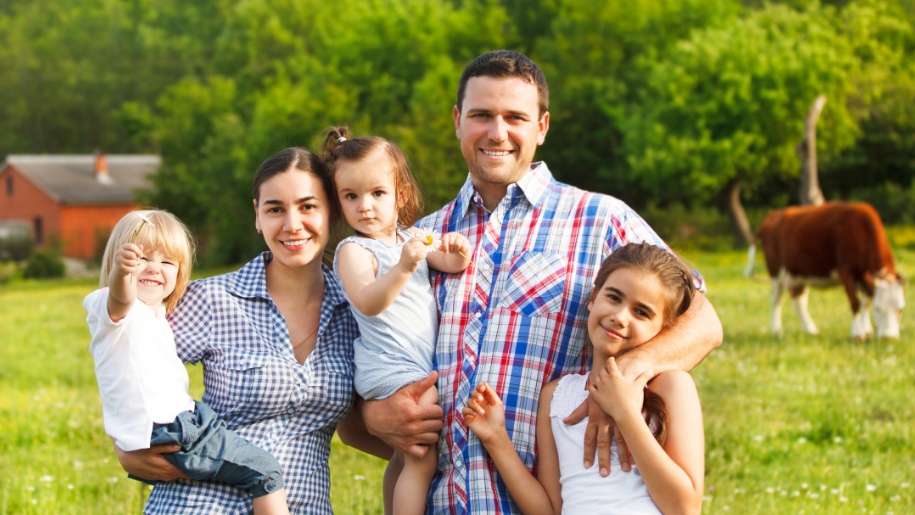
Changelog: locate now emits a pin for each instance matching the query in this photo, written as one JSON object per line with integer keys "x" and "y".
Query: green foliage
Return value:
{"x": 596, "y": 59}
{"x": 44, "y": 264}
{"x": 729, "y": 103}
{"x": 16, "y": 247}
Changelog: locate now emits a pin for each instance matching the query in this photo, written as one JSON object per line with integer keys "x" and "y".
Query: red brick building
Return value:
{"x": 74, "y": 198}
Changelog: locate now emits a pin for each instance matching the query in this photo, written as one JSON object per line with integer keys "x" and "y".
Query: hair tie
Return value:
{"x": 341, "y": 139}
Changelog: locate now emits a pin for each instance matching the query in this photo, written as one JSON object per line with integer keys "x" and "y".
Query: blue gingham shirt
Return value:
{"x": 519, "y": 320}
{"x": 253, "y": 381}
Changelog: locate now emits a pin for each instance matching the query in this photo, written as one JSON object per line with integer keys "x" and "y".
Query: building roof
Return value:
{"x": 71, "y": 179}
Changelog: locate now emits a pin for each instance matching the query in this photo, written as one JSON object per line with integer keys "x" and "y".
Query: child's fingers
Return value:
{"x": 643, "y": 378}
{"x": 491, "y": 396}
{"x": 475, "y": 407}
{"x": 468, "y": 414}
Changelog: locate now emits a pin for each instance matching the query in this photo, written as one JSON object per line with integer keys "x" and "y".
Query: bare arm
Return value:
{"x": 485, "y": 415}
{"x": 402, "y": 422}
{"x": 673, "y": 473}
{"x": 352, "y": 432}
{"x": 357, "y": 269}
{"x": 447, "y": 258}
{"x": 122, "y": 289}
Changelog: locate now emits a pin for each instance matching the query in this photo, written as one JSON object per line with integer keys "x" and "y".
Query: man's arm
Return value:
{"x": 681, "y": 346}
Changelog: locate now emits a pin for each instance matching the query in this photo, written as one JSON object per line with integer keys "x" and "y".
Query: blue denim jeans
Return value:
{"x": 211, "y": 451}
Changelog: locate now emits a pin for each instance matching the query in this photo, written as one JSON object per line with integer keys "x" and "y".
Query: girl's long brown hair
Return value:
{"x": 679, "y": 288}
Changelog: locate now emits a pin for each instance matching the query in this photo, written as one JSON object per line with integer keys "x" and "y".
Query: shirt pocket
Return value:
{"x": 257, "y": 384}
{"x": 535, "y": 283}
{"x": 330, "y": 387}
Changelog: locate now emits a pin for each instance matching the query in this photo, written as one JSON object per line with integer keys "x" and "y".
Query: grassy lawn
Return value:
{"x": 794, "y": 425}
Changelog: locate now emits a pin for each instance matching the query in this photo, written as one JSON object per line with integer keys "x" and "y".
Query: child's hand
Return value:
{"x": 414, "y": 251}
{"x": 127, "y": 260}
{"x": 455, "y": 242}
{"x": 485, "y": 413}
{"x": 615, "y": 394}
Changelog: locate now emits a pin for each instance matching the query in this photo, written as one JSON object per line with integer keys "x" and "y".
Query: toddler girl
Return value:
{"x": 143, "y": 384}
{"x": 639, "y": 290}
{"x": 384, "y": 269}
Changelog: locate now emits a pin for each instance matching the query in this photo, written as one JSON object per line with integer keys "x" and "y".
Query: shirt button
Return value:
{"x": 477, "y": 315}
{"x": 290, "y": 410}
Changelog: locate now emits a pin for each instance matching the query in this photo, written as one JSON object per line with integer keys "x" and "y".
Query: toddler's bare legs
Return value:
{"x": 410, "y": 477}
{"x": 273, "y": 503}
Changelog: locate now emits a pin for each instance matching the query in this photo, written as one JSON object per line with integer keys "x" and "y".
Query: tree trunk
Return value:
{"x": 740, "y": 226}
{"x": 810, "y": 193}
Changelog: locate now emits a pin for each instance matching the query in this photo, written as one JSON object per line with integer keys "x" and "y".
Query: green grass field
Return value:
{"x": 796, "y": 425}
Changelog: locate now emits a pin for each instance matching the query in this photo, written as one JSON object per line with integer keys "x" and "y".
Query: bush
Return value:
{"x": 895, "y": 204}
{"x": 44, "y": 264}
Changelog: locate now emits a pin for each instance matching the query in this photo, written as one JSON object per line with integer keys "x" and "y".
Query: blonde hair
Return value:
{"x": 165, "y": 233}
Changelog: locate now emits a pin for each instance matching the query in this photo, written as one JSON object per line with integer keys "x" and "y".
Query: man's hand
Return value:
{"x": 597, "y": 437}
{"x": 149, "y": 463}
{"x": 401, "y": 422}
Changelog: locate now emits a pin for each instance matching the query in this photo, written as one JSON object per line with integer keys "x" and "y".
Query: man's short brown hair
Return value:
{"x": 503, "y": 64}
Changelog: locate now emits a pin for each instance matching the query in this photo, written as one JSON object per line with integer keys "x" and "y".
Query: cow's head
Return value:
{"x": 889, "y": 299}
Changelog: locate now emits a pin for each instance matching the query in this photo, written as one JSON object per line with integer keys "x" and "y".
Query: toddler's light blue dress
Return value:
{"x": 395, "y": 347}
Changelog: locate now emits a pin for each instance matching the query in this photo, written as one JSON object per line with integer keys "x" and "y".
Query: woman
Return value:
{"x": 276, "y": 342}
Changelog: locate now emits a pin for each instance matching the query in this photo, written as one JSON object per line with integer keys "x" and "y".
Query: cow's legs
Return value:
{"x": 861, "y": 326}
{"x": 777, "y": 289}
{"x": 800, "y": 295}
{"x": 861, "y": 321}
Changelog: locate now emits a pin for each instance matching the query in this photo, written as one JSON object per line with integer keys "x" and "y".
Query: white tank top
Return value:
{"x": 584, "y": 490}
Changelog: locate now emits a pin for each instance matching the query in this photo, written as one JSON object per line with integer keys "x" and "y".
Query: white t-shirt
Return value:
{"x": 584, "y": 490}
{"x": 140, "y": 378}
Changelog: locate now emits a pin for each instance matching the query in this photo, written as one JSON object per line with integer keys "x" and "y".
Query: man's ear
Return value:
{"x": 544, "y": 126}
{"x": 457, "y": 121}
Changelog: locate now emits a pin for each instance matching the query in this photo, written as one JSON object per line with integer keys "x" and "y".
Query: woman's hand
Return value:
{"x": 485, "y": 413}
{"x": 616, "y": 395}
{"x": 149, "y": 463}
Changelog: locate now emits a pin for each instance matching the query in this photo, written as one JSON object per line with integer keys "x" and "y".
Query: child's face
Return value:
{"x": 157, "y": 280}
{"x": 627, "y": 311}
{"x": 367, "y": 196}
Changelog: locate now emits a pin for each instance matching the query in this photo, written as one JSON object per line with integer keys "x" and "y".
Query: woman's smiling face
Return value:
{"x": 293, "y": 213}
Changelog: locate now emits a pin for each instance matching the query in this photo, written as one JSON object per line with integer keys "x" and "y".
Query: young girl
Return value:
{"x": 384, "y": 269}
{"x": 143, "y": 384}
{"x": 639, "y": 290}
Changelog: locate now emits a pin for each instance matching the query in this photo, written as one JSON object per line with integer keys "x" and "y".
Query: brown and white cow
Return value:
{"x": 834, "y": 243}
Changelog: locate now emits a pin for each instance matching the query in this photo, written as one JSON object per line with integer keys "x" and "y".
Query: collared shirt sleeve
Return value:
{"x": 192, "y": 323}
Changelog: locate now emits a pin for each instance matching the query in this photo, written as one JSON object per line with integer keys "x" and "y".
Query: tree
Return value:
{"x": 724, "y": 110}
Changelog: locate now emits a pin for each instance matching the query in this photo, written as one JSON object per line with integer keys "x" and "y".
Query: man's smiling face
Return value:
{"x": 500, "y": 129}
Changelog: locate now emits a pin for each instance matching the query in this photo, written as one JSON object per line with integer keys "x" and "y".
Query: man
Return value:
{"x": 518, "y": 318}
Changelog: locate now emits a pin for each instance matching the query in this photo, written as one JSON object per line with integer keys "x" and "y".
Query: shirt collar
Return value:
{"x": 533, "y": 186}
{"x": 251, "y": 281}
